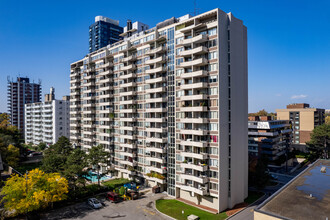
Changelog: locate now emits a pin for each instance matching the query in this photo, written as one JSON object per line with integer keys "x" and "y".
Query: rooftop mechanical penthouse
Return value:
{"x": 170, "y": 105}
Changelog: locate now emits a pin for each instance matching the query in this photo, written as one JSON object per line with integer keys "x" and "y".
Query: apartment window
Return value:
{"x": 213, "y": 138}
{"x": 213, "y": 55}
{"x": 179, "y": 61}
{"x": 214, "y": 102}
{"x": 212, "y": 31}
{"x": 213, "y": 91}
{"x": 213, "y": 186}
{"x": 212, "y": 43}
{"x": 213, "y": 162}
{"x": 213, "y": 150}
{"x": 213, "y": 126}
{"x": 213, "y": 79}
{"x": 178, "y": 50}
{"x": 213, "y": 67}
{"x": 178, "y": 40}
{"x": 213, "y": 174}
{"x": 179, "y": 157}
{"x": 213, "y": 114}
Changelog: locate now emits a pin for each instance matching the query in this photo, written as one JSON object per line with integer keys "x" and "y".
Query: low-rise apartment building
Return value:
{"x": 269, "y": 138}
{"x": 46, "y": 122}
{"x": 170, "y": 105}
{"x": 303, "y": 119}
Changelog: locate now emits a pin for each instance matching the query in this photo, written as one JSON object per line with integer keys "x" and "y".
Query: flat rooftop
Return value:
{"x": 305, "y": 197}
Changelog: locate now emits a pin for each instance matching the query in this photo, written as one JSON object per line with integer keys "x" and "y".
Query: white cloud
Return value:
{"x": 298, "y": 96}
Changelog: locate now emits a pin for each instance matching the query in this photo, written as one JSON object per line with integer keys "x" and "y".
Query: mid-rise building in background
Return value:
{"x": 303, "y": 120}
{"x": 170, "y": 105}
{"x": 103, "y": 32}
{"x": 20, "y": 93}
{"x": 269, "y": 138}
{"x": 46, "y": 122}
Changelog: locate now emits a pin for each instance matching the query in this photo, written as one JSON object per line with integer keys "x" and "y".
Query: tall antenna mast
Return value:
{"x": 195, "y": 8}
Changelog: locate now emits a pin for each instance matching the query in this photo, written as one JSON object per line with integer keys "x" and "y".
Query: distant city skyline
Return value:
{"x": 288, "y": 51}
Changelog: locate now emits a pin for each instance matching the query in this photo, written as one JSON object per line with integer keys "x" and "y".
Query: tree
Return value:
{"x": 33, "y": 191}
{"x": 327, "y": 120}
{"x": 12, "y": 155}
{"x": 41, "y": 146}
{"x": 319, "y": 143}
{"x": 75, "y": 164}
{"x": 258, "y": 175}
{"x": 97, "y": 156}
{"x": 56, "y": 155}
{"x": 262, "y": 112}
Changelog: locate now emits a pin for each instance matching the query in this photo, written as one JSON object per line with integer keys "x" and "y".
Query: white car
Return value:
{"x": 94, "y": 203}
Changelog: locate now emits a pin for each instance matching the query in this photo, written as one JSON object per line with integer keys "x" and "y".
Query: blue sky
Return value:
{"x": 288, "y": 42}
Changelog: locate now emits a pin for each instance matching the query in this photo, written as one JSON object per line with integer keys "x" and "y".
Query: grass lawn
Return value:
{"x": 253, "y": 196}
{"x": 112, "y": 184}
{"x": 174, "y": 209}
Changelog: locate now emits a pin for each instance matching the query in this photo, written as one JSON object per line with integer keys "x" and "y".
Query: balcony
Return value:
{"x": 157, "y": 149}
{"x": 154, "y": 90}
{"x": 201, "y": 191}
{"x": 197, "y": 39}
{"x": 128, "y": 154}
{"x": 196, "y": 62}
{"x": 157, "y": 170}
{"x": 130, "y": 110}
{"x": 200, "y": 168}
{"x": 129, "y": 58}
{"x": 129, "y": 163}
{"x": 127, "y": 145}
{"x": 155, "y": 159}
{"x": 127, "y": 102}
{"x": 127, "y": 93}
{"x": 193, "y": 109}
{"x": 130, "y": 84}
{"x": 128, "y": 67}
{"x": 194, "y": 97}
{"x": 198, "y": 179}
{"x": 160, "y": 59}
{"x": 160, "y": 109}
{"x": 194, "y": 131}
{"x": 127, "y": 76}
{"x": 156, "y": 139}
{"x": 197, "y": 85}
{"x": 194, "y": 120}
{"x": 195, "y": 51}
{"x": 194, "y": 143}
{"x": 156, "y": 50}
{"x": 156, "y": 80}
{"x": 200, "y": 156}
{"x": 154, "y": 100}
{"x": 156, "y": 70}
{"x": 161, "y": 181}
{"x": 155, "y": 119}
{"x": 159, "y": 130}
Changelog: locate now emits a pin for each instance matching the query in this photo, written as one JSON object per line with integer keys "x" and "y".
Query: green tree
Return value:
{"x": 75, "y": 168}
{"x": 33, "y": 191}
{"x": 41, "y": 146}
{"x": 327, "y": 120}
{"x": 96, "y": 157}
{"x": 56, "y": 155}
{"x": 319, "y": 143}
{"x": 258, "y": 175}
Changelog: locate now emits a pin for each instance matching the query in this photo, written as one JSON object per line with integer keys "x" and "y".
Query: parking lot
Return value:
{"x": 142, "y": 208}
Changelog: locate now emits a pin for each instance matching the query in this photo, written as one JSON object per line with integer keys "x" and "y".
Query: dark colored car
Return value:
{"x": 113, "y": 197}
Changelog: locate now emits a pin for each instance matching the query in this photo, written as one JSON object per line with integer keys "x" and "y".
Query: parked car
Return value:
{"x": 113, "y": 197}
{"x": 34, "y": 154}
{"x": 94, "y": 203}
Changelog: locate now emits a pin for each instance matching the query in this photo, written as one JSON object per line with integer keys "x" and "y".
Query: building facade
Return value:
{"x": 269, "y": 138}
{"x": 170, "y": 104}
{"x": 103, "y": 32}
{"x": 46, "y": 122}
{"x": 303, "y": 119}
{"x": 20, "y": 93}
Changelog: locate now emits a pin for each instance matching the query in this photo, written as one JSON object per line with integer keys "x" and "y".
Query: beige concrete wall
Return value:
{"x": 307, "y": 121}
{"x": 211, "y": 202}
{"x": 262, "y": 216}
{"x": 282, "y": 115}
{"x": 186, "y": 195}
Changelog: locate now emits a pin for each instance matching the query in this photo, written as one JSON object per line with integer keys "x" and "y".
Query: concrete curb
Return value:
{"x": 246, "y": 207}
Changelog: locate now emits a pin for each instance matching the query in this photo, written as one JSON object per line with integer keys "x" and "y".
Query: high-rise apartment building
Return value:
{"x": 103, "y": 32}
{"x": 303, "y": 119}
{"x": 20, "y": 93}
{"x": 170, "y": 104}
{"x": 46, "y": 122}
{"x": 269, "y": 138}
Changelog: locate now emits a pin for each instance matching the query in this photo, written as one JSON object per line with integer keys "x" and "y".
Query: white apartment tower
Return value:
{"x": 171, "y": 106}
{"x": 46, "y": 122}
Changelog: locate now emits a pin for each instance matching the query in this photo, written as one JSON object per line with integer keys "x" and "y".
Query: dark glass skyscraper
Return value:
{"x": 20, "y": 93}
{"x": 103, "y": 32}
